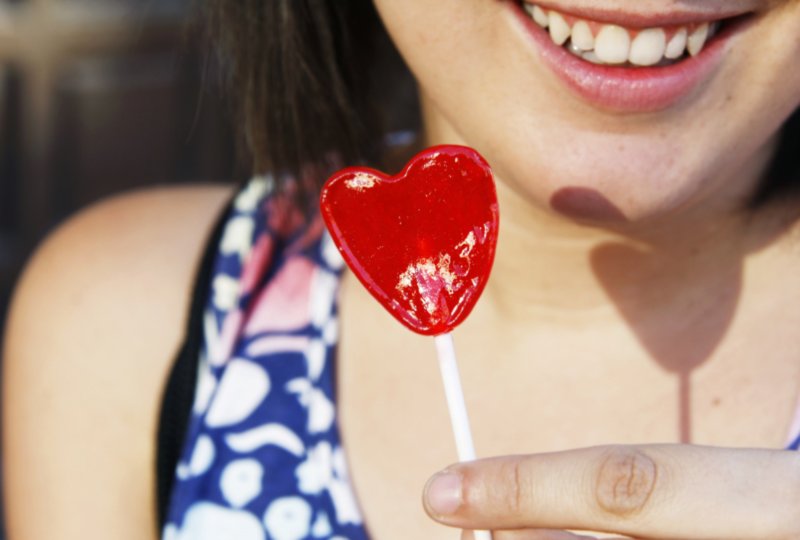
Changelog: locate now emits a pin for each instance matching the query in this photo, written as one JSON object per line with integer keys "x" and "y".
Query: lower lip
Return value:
{"x": 625, "y": 89}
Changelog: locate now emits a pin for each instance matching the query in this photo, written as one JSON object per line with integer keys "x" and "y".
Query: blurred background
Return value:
{"x": 98, "y": 97}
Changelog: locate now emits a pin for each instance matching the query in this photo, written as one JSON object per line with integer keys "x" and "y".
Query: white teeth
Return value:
{"x": 613, "y": 44}
{"x": 529, "y": 8}
{"x": 590, "y": 56}
{"x": 676, "y": 45}
{"x": 697, "y": 40}
{"x": 540, "y": 16}
{"x": 559, "y": 29}
{"x": 648, "y": 47}
{"x": 582, "y": 37}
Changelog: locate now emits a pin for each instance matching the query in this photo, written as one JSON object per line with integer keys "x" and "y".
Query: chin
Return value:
{"x": 611, "y": 185}
{"x": 614, "y": 204}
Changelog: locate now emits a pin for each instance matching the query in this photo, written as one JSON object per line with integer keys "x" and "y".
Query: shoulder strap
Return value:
{"x": 178, "y": 396}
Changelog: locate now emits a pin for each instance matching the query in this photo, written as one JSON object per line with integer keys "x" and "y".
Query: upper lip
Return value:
{"x": 676, "y": 14}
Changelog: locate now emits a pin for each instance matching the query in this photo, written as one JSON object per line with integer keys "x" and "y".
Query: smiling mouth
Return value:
{"x": 617, "y": 45}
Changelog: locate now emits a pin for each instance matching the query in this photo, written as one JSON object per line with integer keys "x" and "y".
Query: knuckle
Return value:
{"x": 625, "y": 481}
{"x": 504, "y": 491}
{"x": 518, "y": 493}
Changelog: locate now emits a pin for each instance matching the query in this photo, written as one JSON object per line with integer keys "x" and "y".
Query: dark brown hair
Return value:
{"x": 313, "y": 79}
{"x": 306, "y": 77}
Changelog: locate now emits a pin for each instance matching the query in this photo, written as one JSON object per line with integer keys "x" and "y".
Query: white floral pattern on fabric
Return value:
{"x": 262, "y": 458}
{"x": 241, "y": 390}
{"x": 241, "y": 481}
{"x": 207, "y": 521}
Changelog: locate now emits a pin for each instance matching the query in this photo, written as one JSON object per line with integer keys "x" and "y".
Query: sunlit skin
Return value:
{"x": 634, "y": 300}
{"x": 629, "y": 266}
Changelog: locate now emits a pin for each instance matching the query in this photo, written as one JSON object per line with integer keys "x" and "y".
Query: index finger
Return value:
{"x": 655, "y": 491}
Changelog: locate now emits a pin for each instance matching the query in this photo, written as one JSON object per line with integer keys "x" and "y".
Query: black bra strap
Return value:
{"x": 178, "y": 396}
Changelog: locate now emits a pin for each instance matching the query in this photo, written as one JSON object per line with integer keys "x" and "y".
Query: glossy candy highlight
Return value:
{"x": 422, "y": 242}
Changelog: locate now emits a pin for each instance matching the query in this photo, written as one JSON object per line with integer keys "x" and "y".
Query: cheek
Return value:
{"x": 444, "y": 42}
{"x": 416, "y": 27}
{"x": 763, "y": 88}
{"x": 769, "y": 63}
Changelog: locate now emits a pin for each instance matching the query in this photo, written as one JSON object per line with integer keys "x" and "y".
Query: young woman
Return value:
{"x": 645, "y": 291}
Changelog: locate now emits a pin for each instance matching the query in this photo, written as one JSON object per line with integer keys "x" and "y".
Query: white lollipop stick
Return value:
{"x": 455, "y": 404}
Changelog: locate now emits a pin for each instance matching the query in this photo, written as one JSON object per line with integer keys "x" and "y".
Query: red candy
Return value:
{"x": 422, "y": 242}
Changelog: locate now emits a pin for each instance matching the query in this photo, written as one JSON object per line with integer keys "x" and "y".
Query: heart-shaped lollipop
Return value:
{"x": 423, "y": 241}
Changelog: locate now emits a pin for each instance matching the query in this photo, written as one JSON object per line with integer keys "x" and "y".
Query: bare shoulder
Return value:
{"x": 94, "y": 325}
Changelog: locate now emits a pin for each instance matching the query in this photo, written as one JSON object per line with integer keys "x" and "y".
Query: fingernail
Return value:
{"x": 443, "y": 493}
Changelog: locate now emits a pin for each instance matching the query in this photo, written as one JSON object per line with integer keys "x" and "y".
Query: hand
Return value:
{"x": 656, "y": 491}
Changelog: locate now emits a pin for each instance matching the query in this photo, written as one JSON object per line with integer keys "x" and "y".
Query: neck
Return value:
{"x": 550, "y": 266}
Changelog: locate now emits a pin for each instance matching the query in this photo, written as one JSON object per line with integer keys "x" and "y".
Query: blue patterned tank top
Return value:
{"x": 262, "y": 457}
